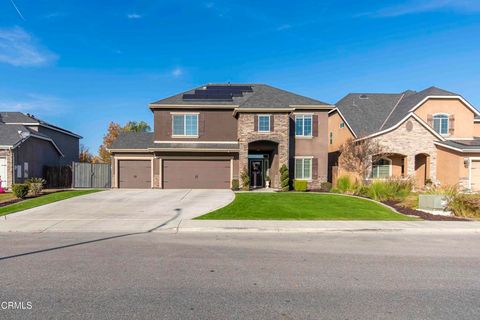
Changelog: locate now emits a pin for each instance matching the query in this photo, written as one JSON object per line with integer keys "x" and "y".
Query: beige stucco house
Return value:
{"x": 431, "y": 135}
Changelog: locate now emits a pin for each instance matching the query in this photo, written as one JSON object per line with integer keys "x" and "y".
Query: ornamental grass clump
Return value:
{"x": 465, "y": 205}
{"x": 391, "y": 189}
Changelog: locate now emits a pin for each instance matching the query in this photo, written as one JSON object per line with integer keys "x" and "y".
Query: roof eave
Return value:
{"x": 154, "y": 106}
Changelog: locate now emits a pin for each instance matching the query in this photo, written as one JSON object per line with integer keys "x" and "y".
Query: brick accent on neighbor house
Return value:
{"x": 409, "y": 143}
{"x": 280, "y": 135}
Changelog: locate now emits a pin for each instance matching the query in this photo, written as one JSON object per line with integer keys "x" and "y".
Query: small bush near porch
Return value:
{"x": 302, "y": 206}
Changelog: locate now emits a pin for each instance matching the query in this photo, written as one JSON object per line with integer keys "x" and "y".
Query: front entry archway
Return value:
{"x": 263, "y": 163}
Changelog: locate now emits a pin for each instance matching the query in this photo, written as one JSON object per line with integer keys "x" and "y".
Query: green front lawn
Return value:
{"x": 45, "y": 199}
{"x": 302, "y": 206}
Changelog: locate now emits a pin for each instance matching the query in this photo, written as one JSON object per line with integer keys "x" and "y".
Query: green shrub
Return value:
{"x": 245, "y": 180}
{"x": 392, "y": 189}
{"x": 35, "y": 186}
{"x": 325, "y": 187}
{"x": 465, "y": 205}
{"x": 235, "y": 185}
{"x": 344, "y": 184}
{"x": 20, "y": 190}
{"x": 284, "y": 178}
{"x": 300, "y": 185}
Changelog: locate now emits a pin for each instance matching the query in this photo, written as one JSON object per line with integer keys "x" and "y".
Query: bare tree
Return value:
{"x": 357, "y": 156}
{"x": 85, "y": 155}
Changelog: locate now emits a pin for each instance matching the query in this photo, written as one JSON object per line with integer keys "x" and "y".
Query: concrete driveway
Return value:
{"x": 118, "y": 211}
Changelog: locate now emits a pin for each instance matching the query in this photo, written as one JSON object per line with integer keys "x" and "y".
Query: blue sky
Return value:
{"x": 82, "y": 64}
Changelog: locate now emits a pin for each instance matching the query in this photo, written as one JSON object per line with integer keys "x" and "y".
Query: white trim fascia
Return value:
{"x": 260, "y": 110}
{"x": 470, "y": 159}
{"x": 6, "y": 147}
{"x": 465, "y": 139}
{"x": 127, "y": 150}
{"x": 345, "y": 120}
{"x": 379, "y": 133}
{"x": 183, "y": 112}
{"x": 193, "y": 150}
{"x": 197, "y": 142}
{"x": 476, "y": 120}
{"x": 313, "y": 106}
{"x": 192, "y": 106}
{"x": 446, "y": 97}
{"x": 457, "y": 149}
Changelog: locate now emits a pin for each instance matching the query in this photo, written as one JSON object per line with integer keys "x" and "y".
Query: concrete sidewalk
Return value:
{"x": 328, "y": 226}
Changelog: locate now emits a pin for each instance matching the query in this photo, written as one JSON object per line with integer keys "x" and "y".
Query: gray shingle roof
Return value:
{"x": 410, "y": 100}
{"x": 366, "y": 112}
{"x": 133, "y": 140}
{"x": 16, "y": 117}
{"x": 465, "y": 145}
{"x": 9, "y": 135}
{"x": 263, "y": 96}
{"x": 380, "y": 111}
{"x": 145, "y": 140}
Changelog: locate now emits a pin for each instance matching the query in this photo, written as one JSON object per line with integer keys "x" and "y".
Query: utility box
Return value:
{"x": 433, "y": 202}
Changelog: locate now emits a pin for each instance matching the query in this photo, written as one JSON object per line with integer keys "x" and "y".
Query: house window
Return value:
{"x": 303, "y": 168}
{"x": 25, "y": 169}
{"x": 303, "y": 125}
{"x": 331, "y": 137}
{"x": 264, "y": 123}
{"x": 185, "y": 125}
{"x": 381, "y": 168}
{"x": 342, "y": 125}
{"x": 440, "y": 123}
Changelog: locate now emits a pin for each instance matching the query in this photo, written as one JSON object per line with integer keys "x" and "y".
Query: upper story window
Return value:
{"x": 440, "y": 123}
{"x": 303, "y": 125}
{"x": 342, "y": 125}
{"x": 185, "y": 125}
{"x": 264, "y": 123}
{"x": 381, "y": 168}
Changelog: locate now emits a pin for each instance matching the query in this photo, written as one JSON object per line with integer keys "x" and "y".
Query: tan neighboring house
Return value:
{"x": 206, "y": 137}
{"x": 431, "y": 135}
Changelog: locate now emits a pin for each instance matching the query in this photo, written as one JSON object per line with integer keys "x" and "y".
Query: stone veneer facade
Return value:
{"x": 280, "y": 135}
{"x": 418, "y": 140}
{"x": 7, "y": 153}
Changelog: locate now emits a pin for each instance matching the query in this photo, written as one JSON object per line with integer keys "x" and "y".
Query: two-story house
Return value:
{"x": 209, "y": 136}
{"x": 431, "y": 135}
{"x": 29, "y": 144}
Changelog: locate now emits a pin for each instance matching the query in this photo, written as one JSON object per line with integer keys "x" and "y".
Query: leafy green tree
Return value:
{"x": 140, "y": 126}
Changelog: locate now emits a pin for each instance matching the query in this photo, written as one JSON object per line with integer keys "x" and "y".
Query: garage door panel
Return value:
{"x": 196, "y": 174}
{"x": 135, "y": 174}
{"x": 475, "y": 175}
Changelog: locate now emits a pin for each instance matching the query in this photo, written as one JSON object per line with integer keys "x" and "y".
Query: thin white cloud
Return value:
{"x": 34, "y": 103}
{"x": 422, "y": 6}
{"x": 19, "y": 48}
{"x": 134, "y": 16}
{"x": 284, "y": 27}
{"x": 177, "y": 72}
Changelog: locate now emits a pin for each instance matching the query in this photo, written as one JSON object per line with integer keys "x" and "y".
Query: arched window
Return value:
{"x": 381, "y": 169}
{"x": 440, "y": 123}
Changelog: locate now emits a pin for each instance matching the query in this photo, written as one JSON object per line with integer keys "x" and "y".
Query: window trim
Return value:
{"x": 303, "y": 115}
{"x": 303, "y": 158}
{"x": 184, "y": 115}
{"x": 448, "y": 123}
{"x": 389, "y": 169}
{"x": 269, "y": 123}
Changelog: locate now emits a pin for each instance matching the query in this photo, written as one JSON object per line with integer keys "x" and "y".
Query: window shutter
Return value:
{"x": 201, "y": 124}
{"x": 451, "y": 124}
{"x": 169, "y": 124}
{"x": 315, "y": 168}
{"x": 315, "y": 125}
{"x": 430, "y": 120}
{"x": 255, "y": 123}
{"x": 272, "y": 123}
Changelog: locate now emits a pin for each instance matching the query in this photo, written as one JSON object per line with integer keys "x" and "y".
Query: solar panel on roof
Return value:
{"x": 218, "y": 92}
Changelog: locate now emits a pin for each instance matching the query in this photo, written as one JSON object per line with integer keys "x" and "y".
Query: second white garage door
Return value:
{"x": 196, "y": 174}
{"x": 475, "y": 175}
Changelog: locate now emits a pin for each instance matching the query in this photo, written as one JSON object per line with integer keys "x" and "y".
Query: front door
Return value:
{"x": 256, "y": 173}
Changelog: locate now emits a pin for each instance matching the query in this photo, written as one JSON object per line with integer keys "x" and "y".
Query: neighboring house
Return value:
{"x": 28, "y": 144}
{"x": 209, "y": 136}
{"x": 431, "y": 135}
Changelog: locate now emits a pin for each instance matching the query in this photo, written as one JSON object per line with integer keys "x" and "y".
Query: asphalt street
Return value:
{"x": 363, "y": 275}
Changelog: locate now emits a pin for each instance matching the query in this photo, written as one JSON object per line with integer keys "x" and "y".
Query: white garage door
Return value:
{"x": 475, "y": 175}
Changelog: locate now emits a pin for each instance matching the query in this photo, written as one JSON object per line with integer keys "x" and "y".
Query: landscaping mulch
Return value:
{"x": 421, "y": 214}
{"x": 9, "y": 202}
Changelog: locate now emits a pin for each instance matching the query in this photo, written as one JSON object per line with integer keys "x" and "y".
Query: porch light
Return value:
{"x": 466, "y": 162}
